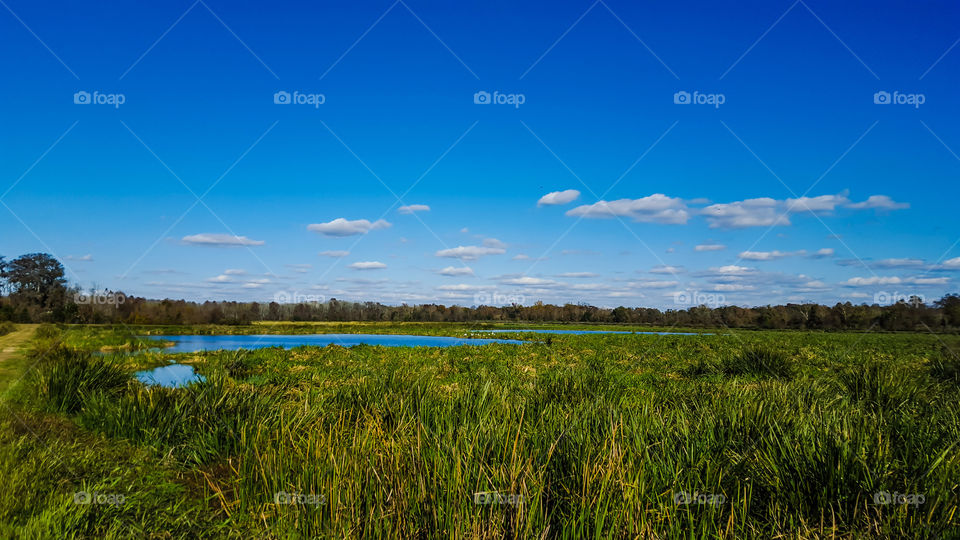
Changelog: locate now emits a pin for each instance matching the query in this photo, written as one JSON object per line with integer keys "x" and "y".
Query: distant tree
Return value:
{"x": 36, "y": 283}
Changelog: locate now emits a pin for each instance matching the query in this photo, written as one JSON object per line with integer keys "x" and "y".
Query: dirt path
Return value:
{"x": 10, "y": 343}
{"x": 10, "y": 348}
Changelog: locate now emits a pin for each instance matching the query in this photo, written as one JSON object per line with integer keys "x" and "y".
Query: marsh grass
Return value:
{"x": 597, "y": 434}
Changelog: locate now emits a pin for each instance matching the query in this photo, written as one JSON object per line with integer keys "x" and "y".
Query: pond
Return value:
{"x": 172, "y": 376}
{"x": 580, "y": 332}
{"x": 211, "y": 343}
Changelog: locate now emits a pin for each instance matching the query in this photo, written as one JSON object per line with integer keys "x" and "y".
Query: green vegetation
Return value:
{"x": 7, "y": 327}
{"x": 736, "y": 435}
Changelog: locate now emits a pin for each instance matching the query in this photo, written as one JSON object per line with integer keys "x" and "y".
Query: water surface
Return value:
{"x": 234, "y": 342}
{"x": 172, "y": 376}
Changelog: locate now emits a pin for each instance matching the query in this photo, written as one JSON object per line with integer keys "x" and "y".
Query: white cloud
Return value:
{"x": 367, "y": 265}
{"x": 951, "y": 263}
{"x": 494, "y": 243}
{"x": 83, "y": 258}
{"x": 559, "y": 197}
{"x": 656, "y": 284}
{"x": 344, "y": 227}
{"x": 768, "y": 255}
{"x": 470, "y": 253}
{"x": 578, "y": 275}
{"x": 730, "y": 287}
{"x": 898, "y": 263}
{"x": 667, "y": 269}
{"x": 732, "y": 269}
{"x": 875, "y": 280}
{"x": 413, "y": 208}
{"x": 222, "y": 278}
{"x": 822, "y": 203}
{"x": 455, "y": 271}
{"x": 220, "y": 240}
{"x": 709, "y": 247}
{"x": 822, "y": 253}
{"x": 656, "y": 208}
{"x": 527, "y": 280}
{"x": 335, "y": 253}
{"x": 234, "y": 272}
{"x": 929, "y": 281}
{"x": 749, "y": 213}
{"x": 525, "y": 257}
{"x": 300, "y": 268}
{"x": 879, "y": 202}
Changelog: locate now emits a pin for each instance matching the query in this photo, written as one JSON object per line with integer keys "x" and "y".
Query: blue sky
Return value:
{"x": 776, "y": 178}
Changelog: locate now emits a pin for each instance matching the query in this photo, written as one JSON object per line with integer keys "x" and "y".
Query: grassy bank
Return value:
{"x": 749, "y": 435}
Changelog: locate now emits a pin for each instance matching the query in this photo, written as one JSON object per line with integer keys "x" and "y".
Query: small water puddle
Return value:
{"x": 172, "y": 376}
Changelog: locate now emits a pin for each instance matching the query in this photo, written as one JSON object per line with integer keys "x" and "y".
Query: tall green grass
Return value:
{"x": 789, "y": 436}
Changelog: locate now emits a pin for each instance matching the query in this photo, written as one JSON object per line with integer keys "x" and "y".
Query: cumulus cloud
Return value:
{"x": 413, "y": 208}
{"x": 345, "y": 227}
{"x": 559, "y": 197}
{"x": 527, "y": 280}
{"x": 879, "y": 202}
{"x": 898, "y": 263}
{"x": 456, "y": 271}
{"x": 894, "y": 280}
{"x": 953, "y": 263}
{"x": 822, "y": 253}
{"x": 334, "y": 253}
{"x": 656, "y": 208}
{"x": 709, "y": 247}
{"x": 768, "y": 255}
{"x": 578, "y": 275}
{"x": 494, "y": 243}
{"x": 732, "y": 269}
{"x": 220, "y": 240}
{"x": 367, "y": 265}
{"x": 667, "y": 269}
{"x": 822, "y": 203}
{"x": 470, "y": 253}
{"x": 749, "y": 213}
{"x": 234, "y": 272}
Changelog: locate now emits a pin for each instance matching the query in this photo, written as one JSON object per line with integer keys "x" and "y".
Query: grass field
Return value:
{"x": 734, "y": 435}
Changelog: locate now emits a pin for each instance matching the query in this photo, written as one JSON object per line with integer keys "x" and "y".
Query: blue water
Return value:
{"x": 212, "y": 343}
{"x": 579, "y": 332}
{"x": 172, "y": 376}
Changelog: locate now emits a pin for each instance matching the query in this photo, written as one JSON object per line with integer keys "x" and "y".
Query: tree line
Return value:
{"x": 33, "y": 289}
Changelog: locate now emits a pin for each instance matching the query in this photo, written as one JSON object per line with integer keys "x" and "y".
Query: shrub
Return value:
{"x": 65, "y": 377}
{"x": 7, "y": 327}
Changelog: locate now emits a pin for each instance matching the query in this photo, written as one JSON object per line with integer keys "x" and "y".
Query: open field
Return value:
{"x": 736, "y": 435}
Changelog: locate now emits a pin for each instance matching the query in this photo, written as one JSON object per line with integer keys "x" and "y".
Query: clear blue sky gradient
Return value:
{"x": 112, "y": 191}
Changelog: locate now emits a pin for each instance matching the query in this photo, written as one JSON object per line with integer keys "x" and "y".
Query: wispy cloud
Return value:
{"x": 220, "y": 240}
{"x": 345, "y": 227}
